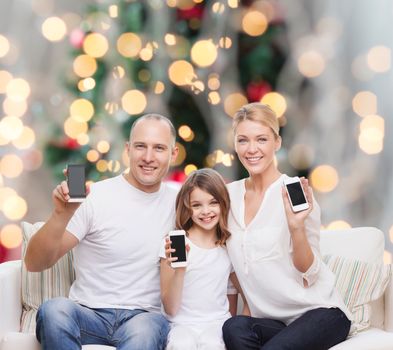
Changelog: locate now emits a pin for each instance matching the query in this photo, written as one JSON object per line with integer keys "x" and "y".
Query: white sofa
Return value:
{"x": 363, "y": 243}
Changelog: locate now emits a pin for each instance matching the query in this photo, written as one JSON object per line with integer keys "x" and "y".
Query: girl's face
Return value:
{"x": 205, "y": 210}
{"x": 255, "y": 145}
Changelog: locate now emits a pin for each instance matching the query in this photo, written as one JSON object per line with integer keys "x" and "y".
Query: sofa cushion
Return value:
{"x": 19, "y": 341}
{"x": 359, "y": 283}
{"x": 372, "y": 338}
{"x": 40, "y": 286}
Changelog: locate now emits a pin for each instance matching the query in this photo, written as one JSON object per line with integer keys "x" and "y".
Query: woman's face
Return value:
{"x": 255, "y": 145}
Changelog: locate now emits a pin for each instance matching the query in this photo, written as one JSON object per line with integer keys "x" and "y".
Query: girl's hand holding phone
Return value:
{"x": 169, "y": 250}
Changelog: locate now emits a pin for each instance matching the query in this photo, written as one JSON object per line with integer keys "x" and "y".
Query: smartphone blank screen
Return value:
{"x": 179, "y": 243}
{"x": 296, "y": 193}
{"x": 76, "y": 180}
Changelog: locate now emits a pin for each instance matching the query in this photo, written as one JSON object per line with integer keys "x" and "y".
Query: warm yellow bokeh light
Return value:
{"x": 11, "y": 166}
{"x": 5, "y": 193}
{"x": 159, "y": 88}
{"x": 364, "y": 103}
{"x": 311, "y": 64}
{"x": 92, "y": 156}
{"x": 83, "y": 139}
{"x": 379, "y": 59}
{"x": 81, "y": 110}
{"x": 134, "y": 102}
{"x": 214, "y": 82}
{"x": 18, "y": 90}
{"x": 170, "y": 39}
{"x": 276, "y": 102}
{"x": 233, "y": 102}
{"x": 103, "y": 146}
{"x": 371, "y": 141}
{"x": 324, "y": 178}
{"x": 113, "y": 11}
{"x": 4, "y": 46}
{"x": 102, "y": 165}
{"x": 95, "y": 45}
{"x": 54, "y": 29}
{"x": 233, "y": 3}
{"x": 146, "y": 54}
{"x": 114, "y": 166}
{"x": 111, "y": 107}
{"x": 118, "y": 72}
{"x": 26, "y": 138}
{"x": 204, "y": 53}
{"x": 214, "y": 98}
{"x": 218, "y": 7}
{"x": 14, "y": 207}
{"x": 73, "y": 128}
{"x": 129, "y": 45}
{"x": 144, "y": 75}
{"x": 189, "y": 168}
{"x": 11, "y": 236}
{"x": 84, "y": 66}
{"x": 5, "y": 78}
{"x": 373, "y": 122}
{"x": 254, "y": 23}
{"x": 387, "y": 257}
{"x": 184, "y": 131}
{"x": 86, "y": 84}
{"x": 338, "y": 225}
{"x": 181, "y": 72}
{"x": 11, "y": 128}
{"x": 15, "y": 108}
{"x": 225, "y": 42}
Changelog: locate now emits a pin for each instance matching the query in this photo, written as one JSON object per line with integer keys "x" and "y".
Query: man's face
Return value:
{"x": 151, "y": 151}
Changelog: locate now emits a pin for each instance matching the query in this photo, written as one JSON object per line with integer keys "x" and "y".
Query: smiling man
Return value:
{"x": 115, "y": 235}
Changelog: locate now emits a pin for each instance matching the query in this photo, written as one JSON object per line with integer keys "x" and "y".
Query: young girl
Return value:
{"x": 195, "y": 297}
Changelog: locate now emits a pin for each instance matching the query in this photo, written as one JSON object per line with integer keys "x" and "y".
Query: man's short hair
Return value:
{"x": 159, "y": 117}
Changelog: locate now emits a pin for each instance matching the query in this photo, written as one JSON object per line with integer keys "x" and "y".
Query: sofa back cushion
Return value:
{"x": 38, "y": 287}
{"x": 364, "y": 244}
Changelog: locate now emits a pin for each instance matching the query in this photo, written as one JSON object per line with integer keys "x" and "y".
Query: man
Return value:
{"x": 116, "y": 235}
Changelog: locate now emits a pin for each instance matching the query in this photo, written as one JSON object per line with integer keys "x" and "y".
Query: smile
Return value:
{"x": 208, "y": 219}
{"x": 254, "y": 159}
{"x": 147, "y": 169}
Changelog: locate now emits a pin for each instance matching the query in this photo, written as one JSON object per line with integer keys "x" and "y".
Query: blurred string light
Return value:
{"x": 186, "y": 133}
{"x": 233, "y": 102}
{"x": 129, "y": 45}
{"x": 5, "y": 78}
{"x": 84, "y": 66}
{"x": 254, "y": 23}
{"x": 95, "y": 45}
{"x": 103, "y": 146}
{"x": 204, "y": 53}
{"x": 15, "y": 108}
{"x": 311, "y": 63}
{"x": 181, "y": 72}
{"x": 324, "y": 178}
{"x": 276, "y": 101}
{"x": 134, "y": 102}
{"x": 11, "y": 236}
{"x": 189, "y": 168}
{"x": 81, "y": 110}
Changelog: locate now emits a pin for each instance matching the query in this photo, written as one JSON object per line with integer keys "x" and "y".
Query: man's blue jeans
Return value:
{"x": 318, "y": 329}
{"x": 63, "y": 324}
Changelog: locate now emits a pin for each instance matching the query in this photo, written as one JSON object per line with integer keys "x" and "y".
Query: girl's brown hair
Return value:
{"x": 257, "y": 112}
{"x": 211, "y": 182}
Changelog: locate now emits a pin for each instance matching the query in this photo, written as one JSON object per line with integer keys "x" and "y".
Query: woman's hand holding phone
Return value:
{"x": 296, "y": 219}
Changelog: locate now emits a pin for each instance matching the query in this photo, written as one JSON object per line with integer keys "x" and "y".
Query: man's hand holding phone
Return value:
{"x": 61, "y": 196}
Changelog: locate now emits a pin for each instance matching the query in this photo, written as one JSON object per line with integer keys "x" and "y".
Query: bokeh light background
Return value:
{"x": 333, "y": 96}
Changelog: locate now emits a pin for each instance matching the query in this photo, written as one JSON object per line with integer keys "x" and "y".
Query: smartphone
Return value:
{"x": 76, "y": 179}
{"x": 296, "y": 195}
{"x": 178, "y": 239}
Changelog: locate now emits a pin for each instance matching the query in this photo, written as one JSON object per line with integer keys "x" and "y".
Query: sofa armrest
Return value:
{"x": 389, "y": 306}
{"x": 10, "y": 297}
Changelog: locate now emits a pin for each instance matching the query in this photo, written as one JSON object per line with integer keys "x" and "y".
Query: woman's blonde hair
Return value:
{"x": 257, "y": 112}
{"x": 210, "y": 181}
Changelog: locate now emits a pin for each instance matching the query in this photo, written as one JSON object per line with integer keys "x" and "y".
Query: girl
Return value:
{"x": 275, "y": 252}
{"x": 195, "y": 297}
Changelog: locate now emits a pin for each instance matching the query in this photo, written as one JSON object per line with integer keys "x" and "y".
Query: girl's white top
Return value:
{"x": 261, "y": 254}
{"x": 204, "y": 297}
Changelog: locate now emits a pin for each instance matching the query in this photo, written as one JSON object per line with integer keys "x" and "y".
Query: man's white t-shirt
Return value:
{"x": 204, "y": 297}
{"x": 120, "y": 230}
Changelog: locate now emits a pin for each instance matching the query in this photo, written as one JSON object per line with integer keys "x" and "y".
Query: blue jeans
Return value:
{"x": 63, "y": 324}
{"x": 318, "y": 329}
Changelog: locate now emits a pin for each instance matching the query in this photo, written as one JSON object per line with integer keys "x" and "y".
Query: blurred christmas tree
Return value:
{"x": 193, "y": 60}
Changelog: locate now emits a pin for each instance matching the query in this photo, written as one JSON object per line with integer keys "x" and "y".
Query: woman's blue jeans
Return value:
{"x": 64, "y": 324}
{"x": 318, "y": 329}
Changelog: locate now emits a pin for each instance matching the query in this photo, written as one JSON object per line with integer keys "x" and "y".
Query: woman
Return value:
{"x": 275, "y": 252}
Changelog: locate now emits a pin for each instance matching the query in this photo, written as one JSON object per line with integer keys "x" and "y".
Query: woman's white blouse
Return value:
{"x": 261, "y": 256}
